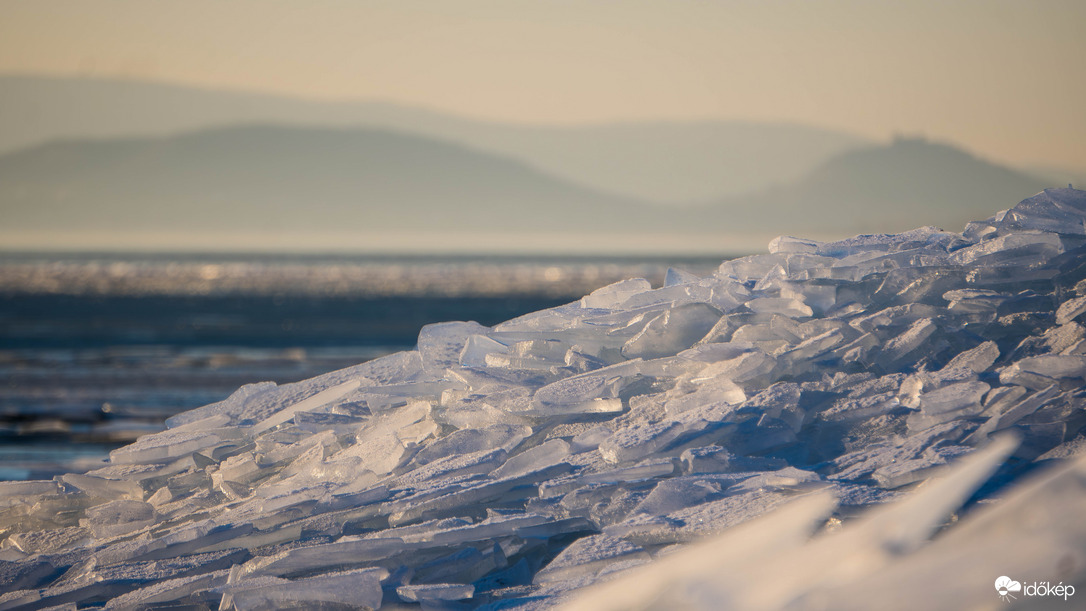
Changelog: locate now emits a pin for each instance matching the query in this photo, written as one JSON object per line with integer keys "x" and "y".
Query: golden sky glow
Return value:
{"x": 999, "y": 77}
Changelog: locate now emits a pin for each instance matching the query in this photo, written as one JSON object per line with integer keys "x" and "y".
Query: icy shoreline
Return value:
{"x": 511, "y": 467}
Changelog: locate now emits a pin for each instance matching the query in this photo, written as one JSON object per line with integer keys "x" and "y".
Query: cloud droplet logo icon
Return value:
{"x": 1005, "y": 585}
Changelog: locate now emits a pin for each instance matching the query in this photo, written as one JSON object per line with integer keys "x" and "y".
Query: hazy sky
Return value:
{"x": 1003, "y": 78}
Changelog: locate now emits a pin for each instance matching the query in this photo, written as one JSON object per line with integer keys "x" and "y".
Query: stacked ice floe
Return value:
{"x": 511, "y": 466}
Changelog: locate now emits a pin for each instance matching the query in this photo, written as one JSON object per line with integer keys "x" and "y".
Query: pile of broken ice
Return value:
{"x": 793, "y": 405}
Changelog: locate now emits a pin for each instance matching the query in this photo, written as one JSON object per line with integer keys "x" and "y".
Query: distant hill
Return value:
{"x": 262, "y": 181}
{"x": 665, "y": 162}
{"x": 272, "y": 178}
{"x": 879, "y": 189}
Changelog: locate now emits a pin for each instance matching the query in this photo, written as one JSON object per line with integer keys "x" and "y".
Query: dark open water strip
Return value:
{"x": 85, "y": 373}
{"x": 261, "y": 321}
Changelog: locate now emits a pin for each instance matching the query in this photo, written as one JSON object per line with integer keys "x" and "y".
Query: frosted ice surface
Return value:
{"x": 953, "y": 397}
{"x": 103, "y": 488}
{"x": 676, "y": 277}
{"x": 477, "y": 348}
{"x": 320, "y": 399}
{"x": 642, "y": 471}
{"x": 515, "y": 466}
{"x": 704, "y": 392}
{"x": 440, "y": 344}
{"x": 359, "y": 588}
{"x": 235, "y": 406}
{"x": 977, "y": 359}
{"x": 118, "y": 517}
{"x": 307, "y": 559}
{"x": 436, "y": 592}
{"x": 716, "y": 459}
{"x": 587, "y": 556}
{"x": 544, "y": 455}
{"x": 785, "y": 306}
{"x": 902, "y": 472}
{"x": 1053, "y": 210}
{"x": 1012, "y": 248}
{"x": 166, "y": 446}
{"x": 590, "y": 439}
{"x": 786, "y": 244}
{"x": 593, "y": 392}
{"x": 745, "y": 368}
{"x": 640, "y": 440}
{"x": 974, "y": 300}
{"x": 17, "y": 490}
{"x": 905, "y": 344}
{"x": 612, "y": 295}
{"x": 678, "y": 493}
{"x": 1051, "y": 366}
{"x": 673, "y": 331}
{"x": 466, "y": 441}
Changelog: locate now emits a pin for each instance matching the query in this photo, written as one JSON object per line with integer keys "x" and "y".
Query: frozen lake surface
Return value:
{"x": 888, "y": 420}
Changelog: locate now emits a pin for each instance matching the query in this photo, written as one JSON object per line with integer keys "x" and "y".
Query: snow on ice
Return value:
{"x": 887, "y": 420}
